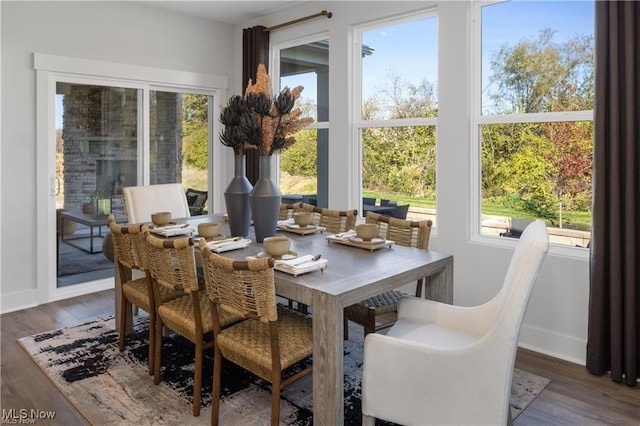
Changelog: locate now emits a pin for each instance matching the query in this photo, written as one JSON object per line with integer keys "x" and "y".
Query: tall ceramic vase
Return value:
{"x": 265, "y": 201}
{"x": 236, "y": 197}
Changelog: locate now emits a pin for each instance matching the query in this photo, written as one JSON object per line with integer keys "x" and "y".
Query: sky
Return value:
{"x": 507, "y": 22}
{"x": 503, "y": 23}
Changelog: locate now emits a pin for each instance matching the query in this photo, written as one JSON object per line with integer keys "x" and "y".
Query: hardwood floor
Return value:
{"x": 574, "y": 397}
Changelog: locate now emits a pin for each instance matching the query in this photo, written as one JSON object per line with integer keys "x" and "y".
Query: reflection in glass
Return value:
{"x": 179, "y": 135}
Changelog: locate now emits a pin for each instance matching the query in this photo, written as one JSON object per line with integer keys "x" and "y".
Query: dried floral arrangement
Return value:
{"x": 260, "y": 120}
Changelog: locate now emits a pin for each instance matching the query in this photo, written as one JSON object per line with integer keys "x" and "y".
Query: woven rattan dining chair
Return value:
{"x": 402, "y": 232}
{"x": 334, "y": 220}
{"x": 287, "y": 210}
{"x": 172, "y": 266}
{"x": 130, "y": 254}
{"x": 269, "y": 341}
{"x": 338, "y": 220}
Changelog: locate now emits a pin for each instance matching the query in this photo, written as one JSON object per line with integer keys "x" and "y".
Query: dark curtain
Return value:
{"x": 255, "y": 50}
{"x": 614, "y": 321}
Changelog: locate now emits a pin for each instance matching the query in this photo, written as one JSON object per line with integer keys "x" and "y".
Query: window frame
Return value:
{"x": 478, "y": 120}
{"x": 274, "y": 68}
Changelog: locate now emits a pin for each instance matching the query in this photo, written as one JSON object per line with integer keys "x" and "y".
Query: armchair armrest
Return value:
{"x": 476, "y": 320}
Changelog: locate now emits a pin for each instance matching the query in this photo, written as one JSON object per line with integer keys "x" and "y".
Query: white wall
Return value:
{"x": 556, "y": 320}
{"x": 127, "y": 33}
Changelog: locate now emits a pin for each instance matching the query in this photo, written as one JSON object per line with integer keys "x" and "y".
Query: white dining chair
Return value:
{"x": 445, "y": 364}
{"x": 141, "y": 201}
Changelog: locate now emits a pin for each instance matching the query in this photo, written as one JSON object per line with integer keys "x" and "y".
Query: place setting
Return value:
{"x": 288, "y": 261}
{"x": 301, "y": 223}
{"x": 163, "y": 226}
{"x": 365, "y": 236}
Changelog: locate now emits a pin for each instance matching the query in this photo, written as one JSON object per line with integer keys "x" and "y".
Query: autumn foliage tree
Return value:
{"x": 542, "y": 168}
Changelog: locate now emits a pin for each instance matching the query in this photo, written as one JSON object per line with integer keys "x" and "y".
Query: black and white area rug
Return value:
{"x": 114, "y": 388}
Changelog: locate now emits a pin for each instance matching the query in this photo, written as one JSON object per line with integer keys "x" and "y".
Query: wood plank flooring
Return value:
{"x": 574, "y": 397}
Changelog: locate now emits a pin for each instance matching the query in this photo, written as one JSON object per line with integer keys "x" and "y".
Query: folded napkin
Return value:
{"x": 286, "y": 222}
{"x": 172, "y": 230}
{"x": 228, "y": 244}
{"x": 300, "y": 265}
{"x": 346, "y": 235}
{"x": 298, "y": 261}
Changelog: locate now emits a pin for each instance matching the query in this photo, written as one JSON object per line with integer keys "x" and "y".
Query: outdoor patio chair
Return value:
{"x": 196, "y": 200}
{"x": 369, "y": 201}
{"x": 269, "y": 341}
{"x": 400, "y": 212}
{"x": 401, "y": 232}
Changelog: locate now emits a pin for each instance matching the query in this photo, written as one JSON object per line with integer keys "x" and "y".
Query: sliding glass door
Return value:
{"x": 96, "y": 156}
{"x": 101, "y": 148}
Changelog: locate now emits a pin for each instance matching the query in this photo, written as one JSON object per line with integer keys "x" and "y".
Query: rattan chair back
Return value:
{"x": 338, "y": 220}
{"x": 408, "y": 233}
{"x": 287, "y": 210}
{"x": 128, "y": 244}
{"x": 172, "y": 262}
{"x": 244, "y": 288}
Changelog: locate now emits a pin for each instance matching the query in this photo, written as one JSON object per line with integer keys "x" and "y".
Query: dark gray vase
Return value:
{"x": 236, "y": 197}
{"x": 265, "y": 201}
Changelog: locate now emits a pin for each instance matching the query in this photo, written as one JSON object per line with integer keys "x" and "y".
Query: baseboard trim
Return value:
{"x": 18, "y": 300}
{"x": 562, "y": 346}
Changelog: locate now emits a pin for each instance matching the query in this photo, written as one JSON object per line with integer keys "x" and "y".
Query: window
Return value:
{"x": 179, "y": 136}
{"x": 398, "y": 112}
{"x": 304, "y": 166}
{"x": 534, "y": 118}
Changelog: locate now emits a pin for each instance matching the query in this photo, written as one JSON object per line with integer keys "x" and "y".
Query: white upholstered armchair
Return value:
{"x": 443, "y": 364}
{"x": 141, "y": 201}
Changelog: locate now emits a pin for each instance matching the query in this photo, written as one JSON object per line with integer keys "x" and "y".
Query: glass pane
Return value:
{"x": 307, "y": 65}
{"x": 96, "y": 156}
{"x": 538, "y": 171}
{"x": 400, "y": 71}
{"x": 304, "y": 168}
{"x": 537, "y": 56}
{"x": 179, "y": 135}
{"x": 298, "y": 168}
{"x": 399, "y": 165}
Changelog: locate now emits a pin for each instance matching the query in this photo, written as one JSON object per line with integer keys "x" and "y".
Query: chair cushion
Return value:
{"x": 383, "y": 303}
{"x": 436, "y": 336}
{"x": 136, "y": 293}
{"x": 177, "y": 314}
{"x": 247, "y": 344}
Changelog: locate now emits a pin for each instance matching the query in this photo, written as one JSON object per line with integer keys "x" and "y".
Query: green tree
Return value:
{"x": 542, "y": 76}
{"x": 535, "y": 76}
{"x": 195, "y": 130}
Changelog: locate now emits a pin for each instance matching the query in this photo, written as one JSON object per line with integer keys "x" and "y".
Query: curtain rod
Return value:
{"x": 295, "y": 21}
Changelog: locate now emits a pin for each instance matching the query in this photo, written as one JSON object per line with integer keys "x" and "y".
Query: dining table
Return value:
{"x": 352, "y": 274}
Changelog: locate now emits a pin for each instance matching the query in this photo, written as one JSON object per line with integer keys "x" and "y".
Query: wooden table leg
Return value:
{"x": 439, "y": 287}
{"x": 328, "y": 392}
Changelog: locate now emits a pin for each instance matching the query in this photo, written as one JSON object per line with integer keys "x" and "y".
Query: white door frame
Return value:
{"x": 49, "y": 70}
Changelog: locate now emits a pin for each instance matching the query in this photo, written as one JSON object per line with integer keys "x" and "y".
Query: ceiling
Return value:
{"x": 230, "y": 12}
